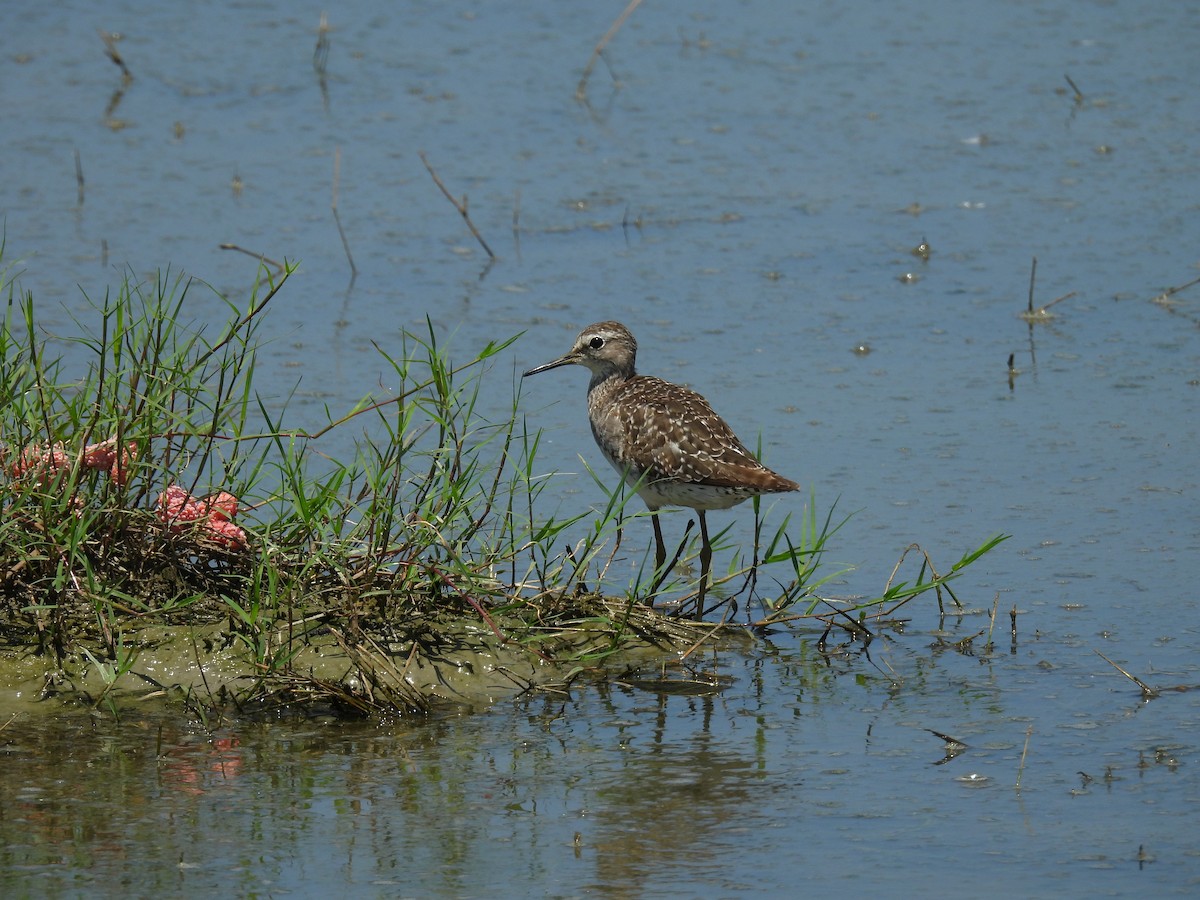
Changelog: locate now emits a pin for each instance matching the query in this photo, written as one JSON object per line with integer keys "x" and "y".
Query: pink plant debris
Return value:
{"x": 222, "y": 506}
{"x": 47, "y": 462}
{"x": 178, "y": 509}
{"x": 226, "y": 533}
{"x": 104, "y": 455}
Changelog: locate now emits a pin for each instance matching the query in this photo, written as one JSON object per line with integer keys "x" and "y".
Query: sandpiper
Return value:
{"x": 664, "y": 439}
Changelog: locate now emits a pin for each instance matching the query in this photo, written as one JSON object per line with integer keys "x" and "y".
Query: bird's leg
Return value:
{"x": 660, "y": 555}
{"x": 705, "y": 563}
{"x": 660, "y": 549}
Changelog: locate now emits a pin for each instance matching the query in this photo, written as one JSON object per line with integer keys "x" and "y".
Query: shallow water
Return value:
{"x": 799, "y": 769}
{"x": 765, "y": 160}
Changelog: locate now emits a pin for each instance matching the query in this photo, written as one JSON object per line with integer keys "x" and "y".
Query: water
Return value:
{"x": 765, "y": 159}
{"x": 801, "y": 769}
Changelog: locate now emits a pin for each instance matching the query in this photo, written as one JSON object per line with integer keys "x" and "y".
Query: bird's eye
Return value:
{"x": 596, "y": 343}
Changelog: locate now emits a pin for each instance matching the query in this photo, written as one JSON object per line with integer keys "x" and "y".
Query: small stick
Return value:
{"x": 257, "y": 256}
{"x": 948, "y": 740}
{"x": 1148, "y": 693}
{"x": 952, "y": 746}
{"x": 1024, "y": 752}
{"x": 581, "y": 90}
{"x": 461, "y": 206}
{"x": 1031, "y": 315}
{"x": 337, "y": 165}
{"x": 79, "y": 176}
{"x": 1170, "y": 292}
{"x": 696, "y": 646}
{"x": 321, "y": 51}
{"x": 1066, "y": 296}
{"x": 110, "y": 44}
{"x": 1032, "y": 281}
{"x": 996, "y": 602}
{"x": 1075, "y": 88}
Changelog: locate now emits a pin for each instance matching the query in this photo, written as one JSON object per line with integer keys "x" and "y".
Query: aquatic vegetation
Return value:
{"x": 361, "y": 584}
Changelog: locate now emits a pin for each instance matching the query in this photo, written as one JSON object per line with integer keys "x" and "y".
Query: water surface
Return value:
{"x": 743, "y": 189}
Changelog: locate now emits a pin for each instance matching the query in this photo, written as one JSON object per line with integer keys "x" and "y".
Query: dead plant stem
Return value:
{"x": 1024, "y": 753}
{"x": 460, "y": 205}
{"x": 581, "y": 90}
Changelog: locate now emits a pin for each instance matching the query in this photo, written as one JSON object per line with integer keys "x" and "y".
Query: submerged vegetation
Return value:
{"x": 155, "y": 508}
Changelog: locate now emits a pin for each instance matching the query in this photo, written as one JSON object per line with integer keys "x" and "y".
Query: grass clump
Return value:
{"x": 154, "y": 505}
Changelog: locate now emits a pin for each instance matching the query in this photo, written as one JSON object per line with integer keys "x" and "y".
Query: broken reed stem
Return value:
{"x": 703, "y": 640}
{"x": 321, "y": 51}
{"x": 996, "y": 601}
{"x": 258, "y": 256}
{"x": 78, "y": 176}
{"x": 1066, "y": 296}
{"x": 1075, "y": 88}
{"x": 1148, "y": 693}
{"x": 337, "y": 167}
{"x": 1024, "y": 753}
{"x": 1032, "y": 281}
{"x": 1170, "y": 292}
{"x": 581, "y": 90}
{"x": 1031, "y": 315}
{"x": 110, "y": 45}
{"x": 461, "y": 206}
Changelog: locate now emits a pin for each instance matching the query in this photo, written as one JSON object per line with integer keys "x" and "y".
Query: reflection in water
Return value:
{"x": 199, "y": 768}
{"x": 672, "y": 803}
{"x": 779, "y": 162}
{"x": 801, "y": 764}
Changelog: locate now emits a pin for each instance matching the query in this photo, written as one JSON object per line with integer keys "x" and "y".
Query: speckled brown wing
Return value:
{"x": 674, "y": 434}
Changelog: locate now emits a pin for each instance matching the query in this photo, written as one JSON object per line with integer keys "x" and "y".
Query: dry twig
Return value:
{"x": 79, "y": 176}
{"x": 1075, "y": 88}
{"x": 581, "y": 90}
{"x": 258, "y": 256}
{"x": 1032, "y": 315}
{"x": 1172, "y": 291}
{"x": 1024, "y": 752}
{"x": 1148, "y": 693}
{"x": 460, "y": 205}
{"x": 321, "y": 51}
{"x": 110, "y": 45}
